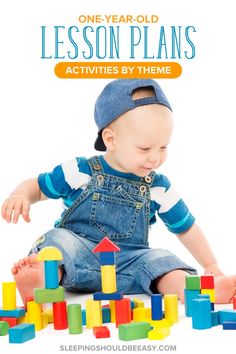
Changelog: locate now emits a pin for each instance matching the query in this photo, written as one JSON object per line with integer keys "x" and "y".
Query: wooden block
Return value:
{"x": 229, "y": 325}
{"x": 227, "y": 315}
{"x": 111, "y": 296}
{"x": 49, "y": 313}
{"x": 171, "y": 307}
{"x": 139, "y": 314}
{"x": 159, "y": 334}
{"x": 123, "y": 311}
{"x": 101, "y": 332}
{"x": 60, "y": 315}
{"x": 43, "y": 296}
{"x": 12, "y": 321}
{"x": 4, "y": 328}
{"x": 93, "y": 313}
{"x": 207, "y": 281}
{"x": 192, "y": 282}
{"x": 74, "y": 318}
{"x": 113, "y": 310}
{"x": 21, "y": 333}
{"x": 189, "y": 295}
{"x": 214, "y": 318}
{"x": 9, "y": 296}
{"x": 133, "y": 331}
{"x": 108, "y": 277}
{"x": 138, "y": 303}
{"x": 106, "y": 315}
{"x": 51, "y": 274}
{"x": 107, "y": 258}
{"x": 35, "y": 315}
{"x": 49, "y": 254}
{"x": 156, "y": 306}
{"x": 106, "y": 245}
{"x": 210, "y": 292}
{"x": 201, "y": 314}
{"x": 19, "y": 312}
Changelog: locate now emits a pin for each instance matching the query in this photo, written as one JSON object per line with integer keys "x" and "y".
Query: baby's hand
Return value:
{"x": 14, "y": 206}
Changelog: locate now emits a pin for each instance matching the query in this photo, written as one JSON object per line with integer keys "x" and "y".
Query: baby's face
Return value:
{"x": 141, "y": 137}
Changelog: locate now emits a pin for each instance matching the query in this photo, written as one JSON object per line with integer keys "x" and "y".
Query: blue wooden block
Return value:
{"x": 83, "y": 317}
{"x": 132, "y": 304}
{"x": 204, "y": 296}
{"x": 107, "y": 258}
{"x": 112, "y": 296}
{"x": 227, "y": 315}
{"x": 12, "y": 313}
{"x": 156, "y": 307}
{"x": 229, "y": 325}
{"x": 212, "y": 306}
{"x": 201, "y": 313}
{"x": 21, "y": 333}
{"x": 106, "y": 315}
{"x": 189, "y": 295}
{"x": 51, "y": 274}
{"x": 214, "y": 318}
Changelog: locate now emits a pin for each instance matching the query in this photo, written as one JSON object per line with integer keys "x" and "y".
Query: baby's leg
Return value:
{"x": 29, "y": 274}
{"x": 174, "y": 283}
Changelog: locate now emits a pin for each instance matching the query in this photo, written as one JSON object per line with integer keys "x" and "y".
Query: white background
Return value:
{"x": 45, "y": 120}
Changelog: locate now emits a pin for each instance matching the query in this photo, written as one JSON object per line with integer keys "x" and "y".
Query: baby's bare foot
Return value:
{"x": 225, "y": 289}
{"x": 28, "y": 274}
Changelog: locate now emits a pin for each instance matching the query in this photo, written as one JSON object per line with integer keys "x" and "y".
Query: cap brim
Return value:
{"x": 99, "y": 144}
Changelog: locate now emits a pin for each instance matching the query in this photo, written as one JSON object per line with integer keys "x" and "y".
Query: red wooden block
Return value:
{"x": 12, "y": 321}
{"x": 101, "y": 332}
{"x": 234, "y": 302}
{"x": 207, "y": 281}
{"x": 60, "y": 315}
{"x": 123, "y": 311}
{"x": 106, "y": 245}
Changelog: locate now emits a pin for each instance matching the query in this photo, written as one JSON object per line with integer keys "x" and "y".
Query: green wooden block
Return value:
{"x": 4, "y": 328}
{"x": 192, "y": 282}
{"x": 135, "y": 330}
{"x": 74, "y": 318}
{"x": 44, "y": 296}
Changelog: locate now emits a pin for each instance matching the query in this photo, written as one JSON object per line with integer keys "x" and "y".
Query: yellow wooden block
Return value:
{"x": 108, "y": 275}
{"x": 113, "y": 310}
{"x": 93, "y": 313}
{"x": 49, "y": 254}
{"x": 148, "y": 314}
{"x": 9, "y": 295}
{"x": 210, "y": 292}
{"x": 138, "y": 303}
{"x": 158, "y": 334}
{"x": 44, "y": 319}
{"x": 35, "y": 315}
{"x": 49, "y": 313}
{"x": 160, "y": 323}
{"x": 139, "y": 314}
{"x": 171, "y": 307}
{"x": 23, "y": 319}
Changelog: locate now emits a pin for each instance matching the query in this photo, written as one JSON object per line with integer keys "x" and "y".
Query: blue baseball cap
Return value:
{"x": 116, "y": 99}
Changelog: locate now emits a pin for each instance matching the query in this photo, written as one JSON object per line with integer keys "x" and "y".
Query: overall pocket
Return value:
{"x": 115, "y": 214}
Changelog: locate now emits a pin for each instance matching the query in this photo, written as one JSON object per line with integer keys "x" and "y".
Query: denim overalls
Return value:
{"x": 120, "y": 209}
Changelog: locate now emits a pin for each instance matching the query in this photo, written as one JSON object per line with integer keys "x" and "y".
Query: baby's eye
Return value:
{"x": 144, "y": 148}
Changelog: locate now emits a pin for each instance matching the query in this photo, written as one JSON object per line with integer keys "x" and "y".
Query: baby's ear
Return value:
{"x": 108, "y": 138}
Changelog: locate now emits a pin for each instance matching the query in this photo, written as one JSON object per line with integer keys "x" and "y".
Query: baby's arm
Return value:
{"x": 196, "y": 243}
{"x": 19, "y": 201}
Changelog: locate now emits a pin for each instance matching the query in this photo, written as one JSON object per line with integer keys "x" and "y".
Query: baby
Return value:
{"x": 118, "y": 195}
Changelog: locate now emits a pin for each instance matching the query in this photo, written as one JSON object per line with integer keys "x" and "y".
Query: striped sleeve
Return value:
{"x": 170, "y": 207}
{"x": 65, "y": 178}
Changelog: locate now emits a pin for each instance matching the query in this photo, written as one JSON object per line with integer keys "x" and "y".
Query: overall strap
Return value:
{"x": 148, "y": 179}
{"x": 95, "y": 164}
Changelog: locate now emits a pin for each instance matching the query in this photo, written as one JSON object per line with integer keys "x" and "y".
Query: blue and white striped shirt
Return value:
{"x": 69, "y": 179}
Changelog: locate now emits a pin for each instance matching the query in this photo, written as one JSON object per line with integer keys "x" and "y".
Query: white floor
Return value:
{"x": 183, "y": 339}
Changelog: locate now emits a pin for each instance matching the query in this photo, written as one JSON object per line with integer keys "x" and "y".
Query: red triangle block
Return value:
{"x": 106, "y": 245}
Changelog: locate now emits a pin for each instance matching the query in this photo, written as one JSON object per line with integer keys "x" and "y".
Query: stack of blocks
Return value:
{"x": 199, "y": 304}
{"x": 11, "y": 317}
